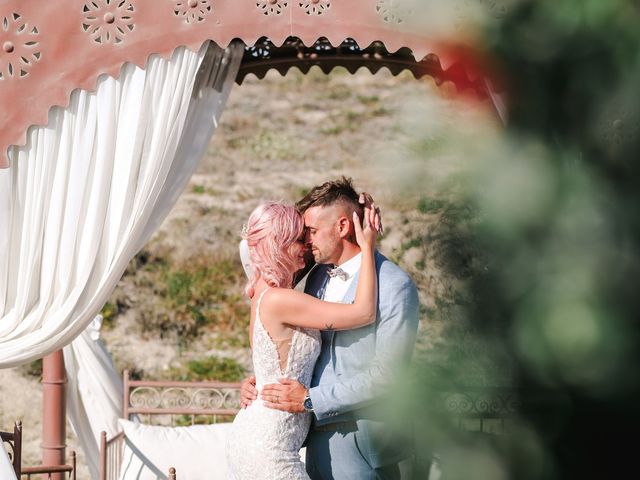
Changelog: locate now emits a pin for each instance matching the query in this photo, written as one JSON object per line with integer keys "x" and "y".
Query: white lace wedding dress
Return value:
{"x": 265, "y": 443}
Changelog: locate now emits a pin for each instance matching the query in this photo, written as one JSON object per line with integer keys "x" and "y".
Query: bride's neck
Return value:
{"x": 260, "y": 287}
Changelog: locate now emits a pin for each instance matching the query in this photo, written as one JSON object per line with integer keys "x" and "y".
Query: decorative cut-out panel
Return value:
{"x": 108, "y": 21}
{"x": 272, "y": 7}
{"x": 19, "y": 42}
{"x": 315, "y": 7}
{"x": 392, "y": 11}
{"x": 50, "y": 48}
{"x": 192, "y": 11}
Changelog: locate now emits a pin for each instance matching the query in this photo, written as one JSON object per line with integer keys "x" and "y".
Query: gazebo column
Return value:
{"x": 54, "y": 418}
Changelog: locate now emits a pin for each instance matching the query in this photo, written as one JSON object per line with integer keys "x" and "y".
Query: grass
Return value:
{"x": 273, "y": 145}
{"x": 32, "y": 369}
{"x": 109, "y": 313}
{"x": 430, "y": 205}
{"x": 211, "y": 368}
{"x": 203, "y": 292}
{"x": 185, "y": 299}
{"x": 368, "y": 99}
{"x": 412, "y": 243}
{"x": 340, "y": 92}
{"x": 214, "y": 368}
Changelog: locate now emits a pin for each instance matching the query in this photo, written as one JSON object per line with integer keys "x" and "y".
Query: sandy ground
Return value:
{"x": 278, "y": 137}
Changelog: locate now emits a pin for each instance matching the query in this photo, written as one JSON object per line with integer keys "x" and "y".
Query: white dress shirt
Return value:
{"x": 337, "y": 287}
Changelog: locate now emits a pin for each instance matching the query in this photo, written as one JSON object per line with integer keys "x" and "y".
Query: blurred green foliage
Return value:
{"x": 547, "y": 234}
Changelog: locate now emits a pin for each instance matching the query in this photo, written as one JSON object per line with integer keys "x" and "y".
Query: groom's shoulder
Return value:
{"x": 391, "y": 272}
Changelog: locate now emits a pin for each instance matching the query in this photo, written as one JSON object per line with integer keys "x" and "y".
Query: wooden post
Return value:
{"x": 74, "y": 464}
{"x": 17, "y": 448}
{"x": 54, "y": 418}
{"x": 103, "y": 455}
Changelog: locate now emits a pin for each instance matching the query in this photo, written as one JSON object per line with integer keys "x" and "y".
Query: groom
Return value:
{"x": 348, "y": 438}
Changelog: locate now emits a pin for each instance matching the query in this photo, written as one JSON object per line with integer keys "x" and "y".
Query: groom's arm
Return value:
{"x": 395, "y": 339}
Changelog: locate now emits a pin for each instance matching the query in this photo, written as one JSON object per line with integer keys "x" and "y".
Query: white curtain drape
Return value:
{"x": 94, "y": 392}
{"x": 88, "y": 190}
{"x": 82, "y": 198}
{"x": 6, "y": 468}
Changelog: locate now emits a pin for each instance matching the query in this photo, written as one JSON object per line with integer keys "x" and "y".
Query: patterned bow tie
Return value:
{"x": 338, "y": 272}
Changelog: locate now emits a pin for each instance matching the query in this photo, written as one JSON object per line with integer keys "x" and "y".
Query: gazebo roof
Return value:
{"x": 48, "y": 49}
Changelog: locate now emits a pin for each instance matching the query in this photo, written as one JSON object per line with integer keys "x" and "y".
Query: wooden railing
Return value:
{"x": 110, "y": 456}
{"x": 14, "y": 440}
{"x": 47, "y": 472}
{"x": 51, "y": 470}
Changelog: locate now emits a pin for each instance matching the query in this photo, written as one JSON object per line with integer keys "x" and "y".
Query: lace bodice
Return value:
{"x": 301, "y": 357}
{"x": 265, "y": 443}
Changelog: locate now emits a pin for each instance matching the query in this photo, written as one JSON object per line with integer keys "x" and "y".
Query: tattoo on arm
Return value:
{"x": 328, "y": 326}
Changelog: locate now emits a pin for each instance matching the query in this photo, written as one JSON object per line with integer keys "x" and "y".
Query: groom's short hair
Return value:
{"x": 330, "y": 193}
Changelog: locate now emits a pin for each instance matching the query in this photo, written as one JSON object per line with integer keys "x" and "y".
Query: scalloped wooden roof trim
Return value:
{"x": 48, "y": 49}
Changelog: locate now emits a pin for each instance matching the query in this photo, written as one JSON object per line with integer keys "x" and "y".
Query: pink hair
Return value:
{"x": 271, "y": 230}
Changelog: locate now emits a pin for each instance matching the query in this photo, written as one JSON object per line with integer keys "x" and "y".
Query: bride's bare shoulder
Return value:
{"x": 278, "y": 297}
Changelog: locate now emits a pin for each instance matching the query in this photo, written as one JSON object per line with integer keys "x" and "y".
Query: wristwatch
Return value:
{"x": 308, "y": 406}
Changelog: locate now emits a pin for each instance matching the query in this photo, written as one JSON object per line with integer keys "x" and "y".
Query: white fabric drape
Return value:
{"x": 82, "y": 198}
{"x": 88, "y": 190}
{"x": 6, "y": 468}
{"x": 94, "y": 392}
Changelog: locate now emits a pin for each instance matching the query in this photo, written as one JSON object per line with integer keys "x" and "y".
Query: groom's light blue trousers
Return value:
{"x": 334, "y": 455}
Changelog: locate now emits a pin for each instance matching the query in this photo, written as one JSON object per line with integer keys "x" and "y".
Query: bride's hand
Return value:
{"x": 366, "y": 233}
{"x": 367, "y": 201}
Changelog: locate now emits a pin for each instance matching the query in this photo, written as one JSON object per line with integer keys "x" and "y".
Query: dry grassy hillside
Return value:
{"x": 178, "y": 311}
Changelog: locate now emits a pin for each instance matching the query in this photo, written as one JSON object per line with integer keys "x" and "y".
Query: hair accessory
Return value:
{"x": 245, "y": 257}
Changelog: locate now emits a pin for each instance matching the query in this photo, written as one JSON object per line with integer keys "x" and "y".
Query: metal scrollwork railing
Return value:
{"x": 145, "y": 397}
{"x": 217, "y": 398}
{"x": 481, "y": 402}
{"x": 181, "y": 398}
{"x": 488, "y": 410}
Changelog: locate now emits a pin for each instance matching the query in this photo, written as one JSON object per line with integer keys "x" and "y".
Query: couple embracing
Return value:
{"x": 323, "y": 359}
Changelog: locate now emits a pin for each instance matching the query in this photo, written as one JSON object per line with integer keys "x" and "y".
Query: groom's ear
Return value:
{"x": 344, "y": 227}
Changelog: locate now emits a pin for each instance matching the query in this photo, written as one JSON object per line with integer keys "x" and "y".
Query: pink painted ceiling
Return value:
{"x": 48, "y": 48}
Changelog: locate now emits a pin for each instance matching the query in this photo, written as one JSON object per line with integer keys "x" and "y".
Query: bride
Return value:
{"x": 285, "y": 335}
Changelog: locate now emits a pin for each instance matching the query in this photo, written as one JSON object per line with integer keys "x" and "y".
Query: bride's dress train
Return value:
{"x": 265, "y": 443}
